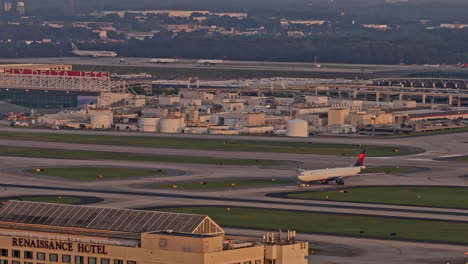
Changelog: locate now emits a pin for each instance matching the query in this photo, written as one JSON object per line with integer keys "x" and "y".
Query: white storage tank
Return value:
{"x": 171, "y": 125}
{"x": 101, "y": 120}
{"x": 297, "y": 128}
{"x": 148, "y": 124}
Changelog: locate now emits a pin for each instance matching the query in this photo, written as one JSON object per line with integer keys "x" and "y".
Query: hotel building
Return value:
{"x": 40, "y": 233}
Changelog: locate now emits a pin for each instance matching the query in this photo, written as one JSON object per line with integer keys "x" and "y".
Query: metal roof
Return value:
{"x": 122, "y": 220}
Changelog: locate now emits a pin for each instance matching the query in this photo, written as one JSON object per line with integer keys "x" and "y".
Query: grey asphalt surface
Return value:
{"x": 345, "y": 250}
{"x": 228, "y": 65}
{"x": 122, "y": 193}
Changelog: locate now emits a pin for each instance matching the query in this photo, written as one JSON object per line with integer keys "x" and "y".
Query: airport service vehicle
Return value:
{"x": 336, "y": 174}
{"x": 163, "y": 60}
{"x": 92, "y": 53}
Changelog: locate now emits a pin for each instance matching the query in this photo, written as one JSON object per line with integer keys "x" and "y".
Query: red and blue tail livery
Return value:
{"x": 360, "y": 160}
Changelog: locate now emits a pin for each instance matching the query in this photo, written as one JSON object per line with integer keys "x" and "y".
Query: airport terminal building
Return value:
{"x": 39, "y": 233}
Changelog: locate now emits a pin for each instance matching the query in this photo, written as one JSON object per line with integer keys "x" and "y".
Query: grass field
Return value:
{"x": 365, "y": 226}
{"x": 460, "y": 159}
{"x": 223, "y": 184}
{"x": 95, "y": 173}
{"x": 385, "y": 170}
{"x": 48, "y": 199}
{"x": 422, "y": 196}
{"x": 430, "y": 133}
{"x": 211, "y": 144}
{"x": 96, "y": 155}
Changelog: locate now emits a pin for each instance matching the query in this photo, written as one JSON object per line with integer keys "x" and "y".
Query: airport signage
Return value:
{"x": 59, "y": 245}
{"x": 58, "y": 73}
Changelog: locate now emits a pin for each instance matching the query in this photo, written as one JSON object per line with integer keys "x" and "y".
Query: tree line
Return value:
{"x": 443, "y": 46}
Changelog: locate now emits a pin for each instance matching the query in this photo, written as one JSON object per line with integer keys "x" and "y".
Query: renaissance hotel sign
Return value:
{"x": 59, "y": 245}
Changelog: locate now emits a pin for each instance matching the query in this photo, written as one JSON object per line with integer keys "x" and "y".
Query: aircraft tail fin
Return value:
{"x": 360, "y": 160}
{"x": 299, "y": 170}
{"x": 74, "y": 48}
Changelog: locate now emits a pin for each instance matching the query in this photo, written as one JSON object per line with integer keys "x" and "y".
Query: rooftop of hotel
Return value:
{"x": 92, "y": 219}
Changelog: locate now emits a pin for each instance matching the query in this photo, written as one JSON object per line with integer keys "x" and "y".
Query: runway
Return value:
{"x": 228, "y": 65}
{"x": 130, "y": 193}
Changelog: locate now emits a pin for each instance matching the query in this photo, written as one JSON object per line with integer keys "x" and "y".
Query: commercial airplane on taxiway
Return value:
{"x": 92, "y": 53}
{"x": 336, "y": 174}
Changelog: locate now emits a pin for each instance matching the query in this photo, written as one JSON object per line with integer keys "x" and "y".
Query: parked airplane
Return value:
{"x": 92, "y": 53}
{"x": 336, "y": 174}
{"x": 462, "y": 65}
{"x": 210, "y": 62}
{"x": 164, "y": 60}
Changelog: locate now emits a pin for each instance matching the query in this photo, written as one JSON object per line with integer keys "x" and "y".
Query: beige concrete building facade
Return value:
{"x": 338, "y": 116}
{"x": 40, "y": 233}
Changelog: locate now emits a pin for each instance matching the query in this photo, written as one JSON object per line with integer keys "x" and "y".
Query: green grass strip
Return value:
{"x": 403, "y": 195}
{"x": 96, "y": 155}
{"x": 389, "y": 170}
{"x": 459, "y": 159}
{"x": 95, "y": 173}
{"x": 211, "y": 144}
{"x": 49, "y": 199}
{"x": 430, "y": 133}
{"x": 365, "y": 226}
{"x": 225, "y": 184}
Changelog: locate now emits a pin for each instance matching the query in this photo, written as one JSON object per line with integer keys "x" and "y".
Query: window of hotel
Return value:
{"x": 3, "y": 261}
{"x": 28, "y": 255}
{"x": 104, "y": 261}
{"x": 40, "y": 256}
{"x": 28, "y": 263}
{"x": 118, "y": 261}
{"x": 66, "y": 258}
{"x": 53, "y": 257}
{"x": 247, "y": 262}
{"x": 258, "y": 261}
{"x": 131, "y": 262}
{"x": 16, "y": 254}
{"x": 187, "y": 249}
{"x": 15, "y": 262}
{"x": 4, "y": 252}
{"x": 91, "y": 260}
{"x": 162, "y": 243}
{"x": 79, "y": 259}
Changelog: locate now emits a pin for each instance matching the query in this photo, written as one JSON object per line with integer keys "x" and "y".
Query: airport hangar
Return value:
{"x": 32, "y": 232}
{"x": 58, "y": 86}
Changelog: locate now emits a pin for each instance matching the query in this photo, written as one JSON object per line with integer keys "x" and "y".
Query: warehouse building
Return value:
{"x": 32, "y": 232}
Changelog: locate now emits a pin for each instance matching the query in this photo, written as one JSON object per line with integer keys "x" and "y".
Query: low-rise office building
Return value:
{"x": 40, "y": 233}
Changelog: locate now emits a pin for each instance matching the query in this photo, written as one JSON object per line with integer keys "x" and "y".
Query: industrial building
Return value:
{"x": 100, "y": 100}
{"x": 32, "y": 232}
{"x": 58, "y": 87}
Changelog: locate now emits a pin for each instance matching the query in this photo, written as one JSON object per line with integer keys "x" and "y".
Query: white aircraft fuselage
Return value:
{"x": 328, "y": 174}
{"x": 94, "y": 54}
{"x": 210, "y": 62}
